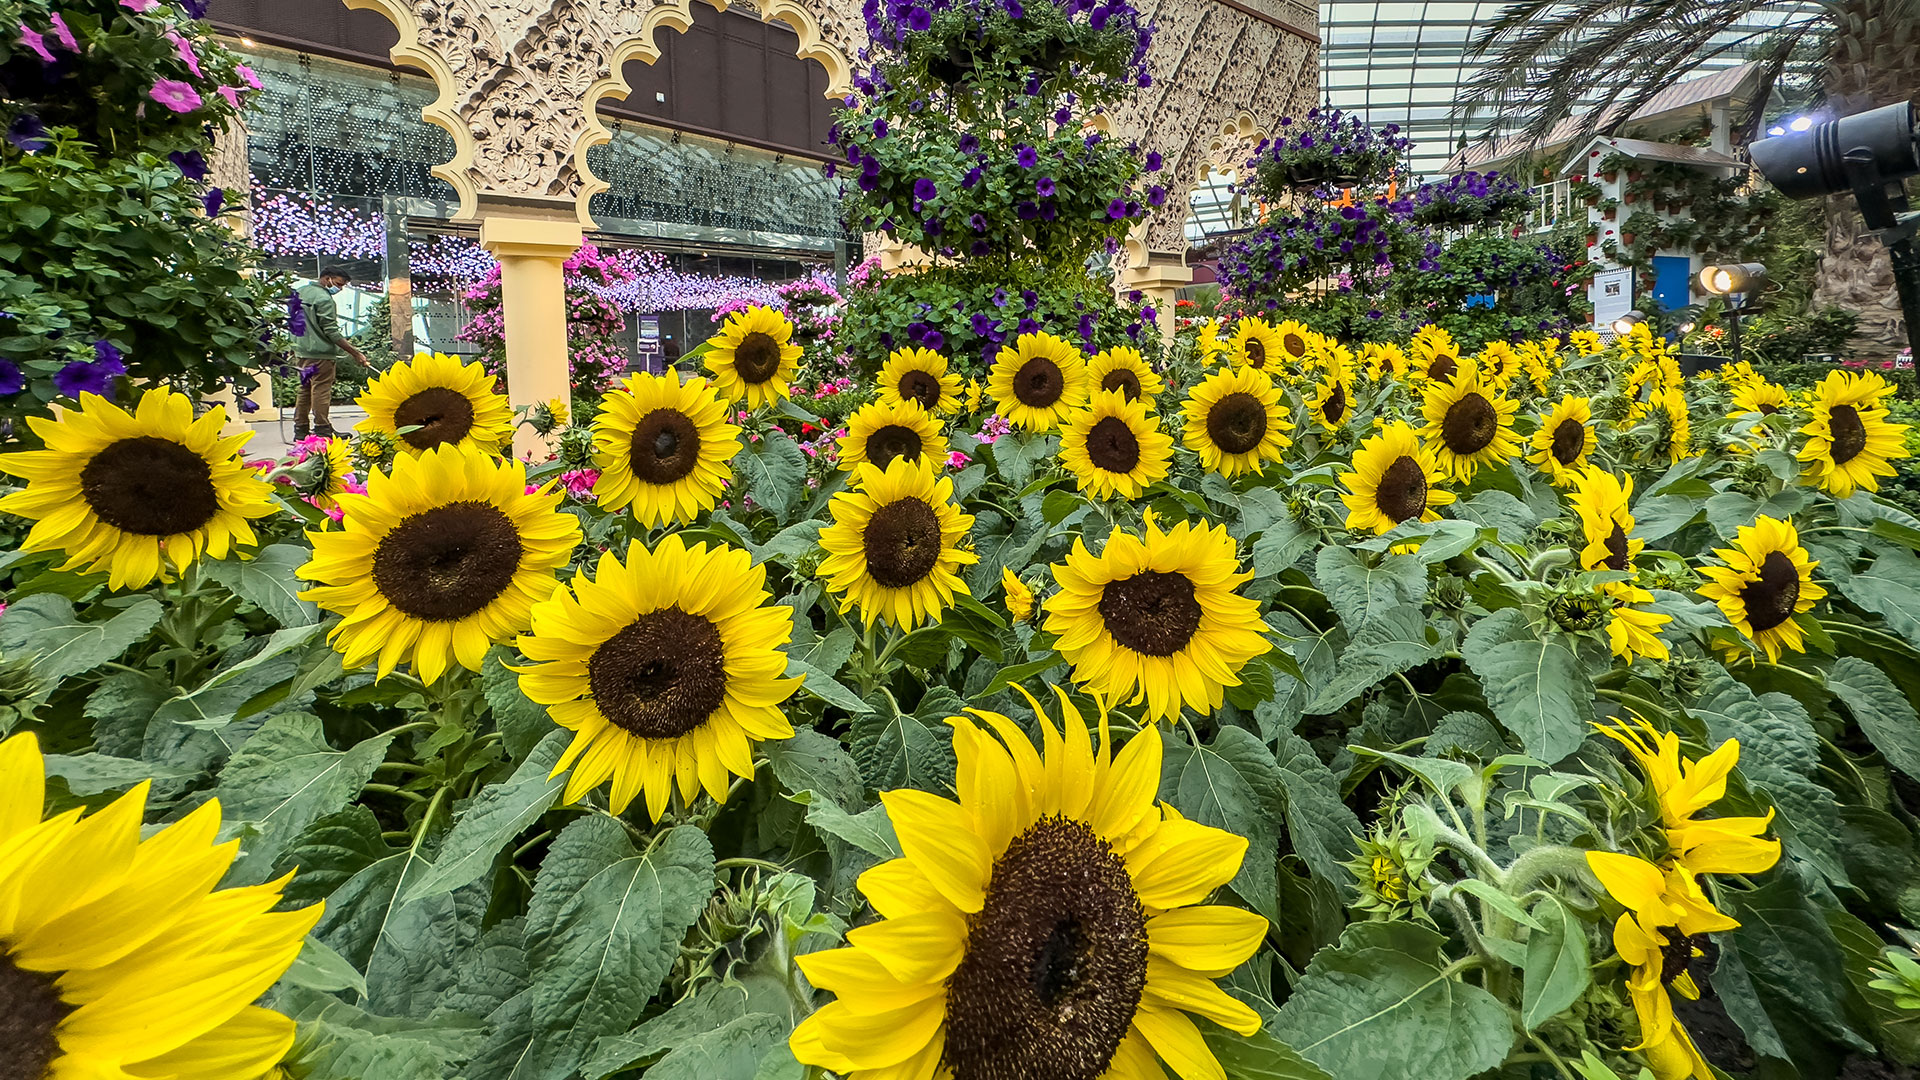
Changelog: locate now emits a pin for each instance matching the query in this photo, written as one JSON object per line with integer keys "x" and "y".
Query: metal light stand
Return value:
{"x": 1888, "y": 217}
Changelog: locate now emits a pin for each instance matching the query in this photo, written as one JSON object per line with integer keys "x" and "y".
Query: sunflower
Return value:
{"x": 1047, "y": 923}
{"x": 1766, "y": 581}
{"x": 1672, "y": 424}
{"x": 1237, "y": 421}
{"x": 1018, "y": 595}
{"x": 1124, "y": 369}
{"x": 1757, "y": 397}
{"x": 1394, "y": 479}
{"x": 1435, "y": 357}
{"x": 1114, "y": 447}
{"x": 131, "y": 493}
{"x": 1498, "y": 363}
{"x": 1208, "y": 343}
{"x": 117, "y": 955}
{"x": 1659, "y": 935}
{"x": 1586, "y": 342}
{"x": 1600, "y": 499}
{"x": 880, "y": 431}
{"x": 662, "y": 445}
{"x": 1562, "y": 440}
{"x": 1155, "y": 617}
{"x": 893, "y": 547}
{"x": 1469, "y": 424}
{"x": 331, "y": 473}
{"x": 920, "y": 376}
{"x": 667, "y": 667}
{"x": 1038, "y": 381}
{"x": 1296, "y": 344}
{"x": 1538, "y": 361}
{"x": 1255, "y": 344}
{"x": 753, "y": 356}
{"x": 1632, "y": 630}
{"x": 1384, "y": 360}
{"x": 1331, "y": 404}
{"x": 438, "y": 560}
{"x": 1735, "y": 375}
{"x": 438, "y": 400}
{"x": 1684, "y": 788}
{"x": 1849, "y": 441}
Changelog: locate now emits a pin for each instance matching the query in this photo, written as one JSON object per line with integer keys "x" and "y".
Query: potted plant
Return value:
{"x": 1609, "y": 208}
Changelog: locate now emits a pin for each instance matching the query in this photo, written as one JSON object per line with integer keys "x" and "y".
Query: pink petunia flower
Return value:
{"x": 232, "y": 94}
{"x": 176, "y": 95}
{"x": 140, "y": 7}
{"x": 247, "y": 76}
{"x": 36, "y": 41}
{"x": 65, "y": 35}
{"x": 187, "y": 55}
{"x": 958, "y": 459}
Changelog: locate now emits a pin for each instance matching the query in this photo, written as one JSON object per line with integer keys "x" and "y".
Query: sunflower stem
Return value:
{"x": 1558, "y": 1065}
{"x": 745, "y": 863}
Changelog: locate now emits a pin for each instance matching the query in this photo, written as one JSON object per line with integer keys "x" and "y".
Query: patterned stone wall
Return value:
{"x": 519, "y": 80}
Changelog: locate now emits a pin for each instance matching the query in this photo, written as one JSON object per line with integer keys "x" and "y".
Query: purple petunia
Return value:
{"x": 879, "y": 127}
{"x": 969, "y": 143}
{"x": 924, "y": 189}
{"x": 919, "y": 18}
{"x": 1062, "y": 116}
{"x": 1044, "y": 186}
{"x": 1026, "y": 156}
{"x": 1014, "y": 10}
{"x": 934, "y": 340}
{"x": 28, "y": 133}
{"x": 1026, "y": 210}
{"x": 972, "y": 177}
{"x": 999, "y": 298}
{"x": 979, "y": 247}
{"x": 192, "y": 164}
{"x": 105, "y": 353}
{"x": 1086, "y": 326}
{"x": 12, "y": 379}
{"x": 1117, "y": 209}
{"x": 1027, "y": 326}
{"x": 296, "y": 315}
{"x": 1156, "y": 195}
{"x": 977, "y": 222}
{"x": 1153, "y": 161}
{"x": 83, "y": 377}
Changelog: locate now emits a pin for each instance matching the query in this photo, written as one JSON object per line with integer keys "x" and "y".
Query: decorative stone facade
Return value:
{"x": 519, "y": 79}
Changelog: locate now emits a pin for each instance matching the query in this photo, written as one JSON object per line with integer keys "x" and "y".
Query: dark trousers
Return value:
{"x": 316, "y": 392}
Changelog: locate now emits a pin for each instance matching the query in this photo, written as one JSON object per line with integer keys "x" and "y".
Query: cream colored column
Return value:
{"x": 1159, "y": 285}
{"x": 533, "y": 299}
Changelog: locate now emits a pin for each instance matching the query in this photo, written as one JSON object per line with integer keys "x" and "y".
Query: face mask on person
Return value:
{"x": 331, "y": 288}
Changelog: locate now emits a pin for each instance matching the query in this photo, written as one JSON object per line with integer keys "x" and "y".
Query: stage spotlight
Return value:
{"x": 1734, "y": 278}
{"x": 1624, "y": 324}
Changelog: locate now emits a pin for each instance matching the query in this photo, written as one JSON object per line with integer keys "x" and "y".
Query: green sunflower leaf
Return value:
{"x": 495, "y": 816}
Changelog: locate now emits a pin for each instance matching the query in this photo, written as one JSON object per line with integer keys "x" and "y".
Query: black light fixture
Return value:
{"x": 1740, "y": 284}
{"x": 1869, "y": 153}
{"x": 1624, "y": 324}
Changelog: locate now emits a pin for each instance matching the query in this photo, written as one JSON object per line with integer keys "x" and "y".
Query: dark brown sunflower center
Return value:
{"x": 1470, "y": 424}
{"x": 1112, "y": 446}
{"x": 892, "y": 441}
{"x": 30, "y": 1010}
{"x": 1617, "y": 548}
{"x": 150, "y": 486}
{"x": 448, "y": 562}
{"x": 902, "y": 542}
{"x": 1335, "y": 406}
{"x": 1402, "y": 492}
{"x": 1237, "y": 423}
{"x": 1849, "y": 434}
{"x": 1443, "y": 368}
{"x": 1123, "y": 380}
{"x": 1569, "y": 441}
{"x": 757, "y": 358}
{"x": 1676, "y": 956}
{"x": 1039, "y": 383}
{"x": 1256, "y": 353}
{"x": 1770, "y": 600}
{"x": 665, "y": 447}
{"x": 439, "y": 414}
{"x": 1055, "y": 961}
{"x": 1295, "y": 345}
{"x": 662, "y": 676}
{"x": 1768, "y": 408}
{"x": 921, "y": 388}
{"x": 1151, "y": 612}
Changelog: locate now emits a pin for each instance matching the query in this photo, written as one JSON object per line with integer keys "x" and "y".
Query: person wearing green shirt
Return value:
{"x": 318, "y": 350}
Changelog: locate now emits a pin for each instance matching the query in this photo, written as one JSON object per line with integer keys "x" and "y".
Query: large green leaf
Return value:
{"x": 239, "y": 687}
{"x": 811, "y": 761}
{"x": 774, "y": 472}
{"x": 1260, "y": 1056}
{"x": 270, "y": 582}
{"x": 495, "y": 816}
{"x": 286, "y": 778}
{"x": 1881, "y": 710}
{"x": 1384, "y": 1005}
{"x": 907, "y": 749}
{"x": 1889, "y": 588}
{"x": 1361, "y": 593}
{"x": 605, "y": 926}
{"x": 64, "y": 645}
{"x": 1394, "y": 643}
{"x": 91, "y": 774}
{"x": 1555, "y": 974}
{"x": 1792, "y": 956}
{"x": 1319, "y": 824}
{"x": 1233, "y": 784}
{"x": 714, "y": 1006}
{"x": 521, "y": 721}
{"x": 1535, "y": 685}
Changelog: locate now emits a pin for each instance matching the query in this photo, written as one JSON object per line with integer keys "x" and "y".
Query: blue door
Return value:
{"x": 1672, "y": 281}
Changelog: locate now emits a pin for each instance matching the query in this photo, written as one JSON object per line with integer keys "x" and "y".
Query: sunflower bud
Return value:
{"x": 1578, "y": 612}
{"x": 1612, "y": 408}
{"x": 1448, "y": 593}
{"x": 1390, "y": 874}
{"x": 19, "y": 686}
{"x": 374, "y": 450}
{"x": 748, "y": 928}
